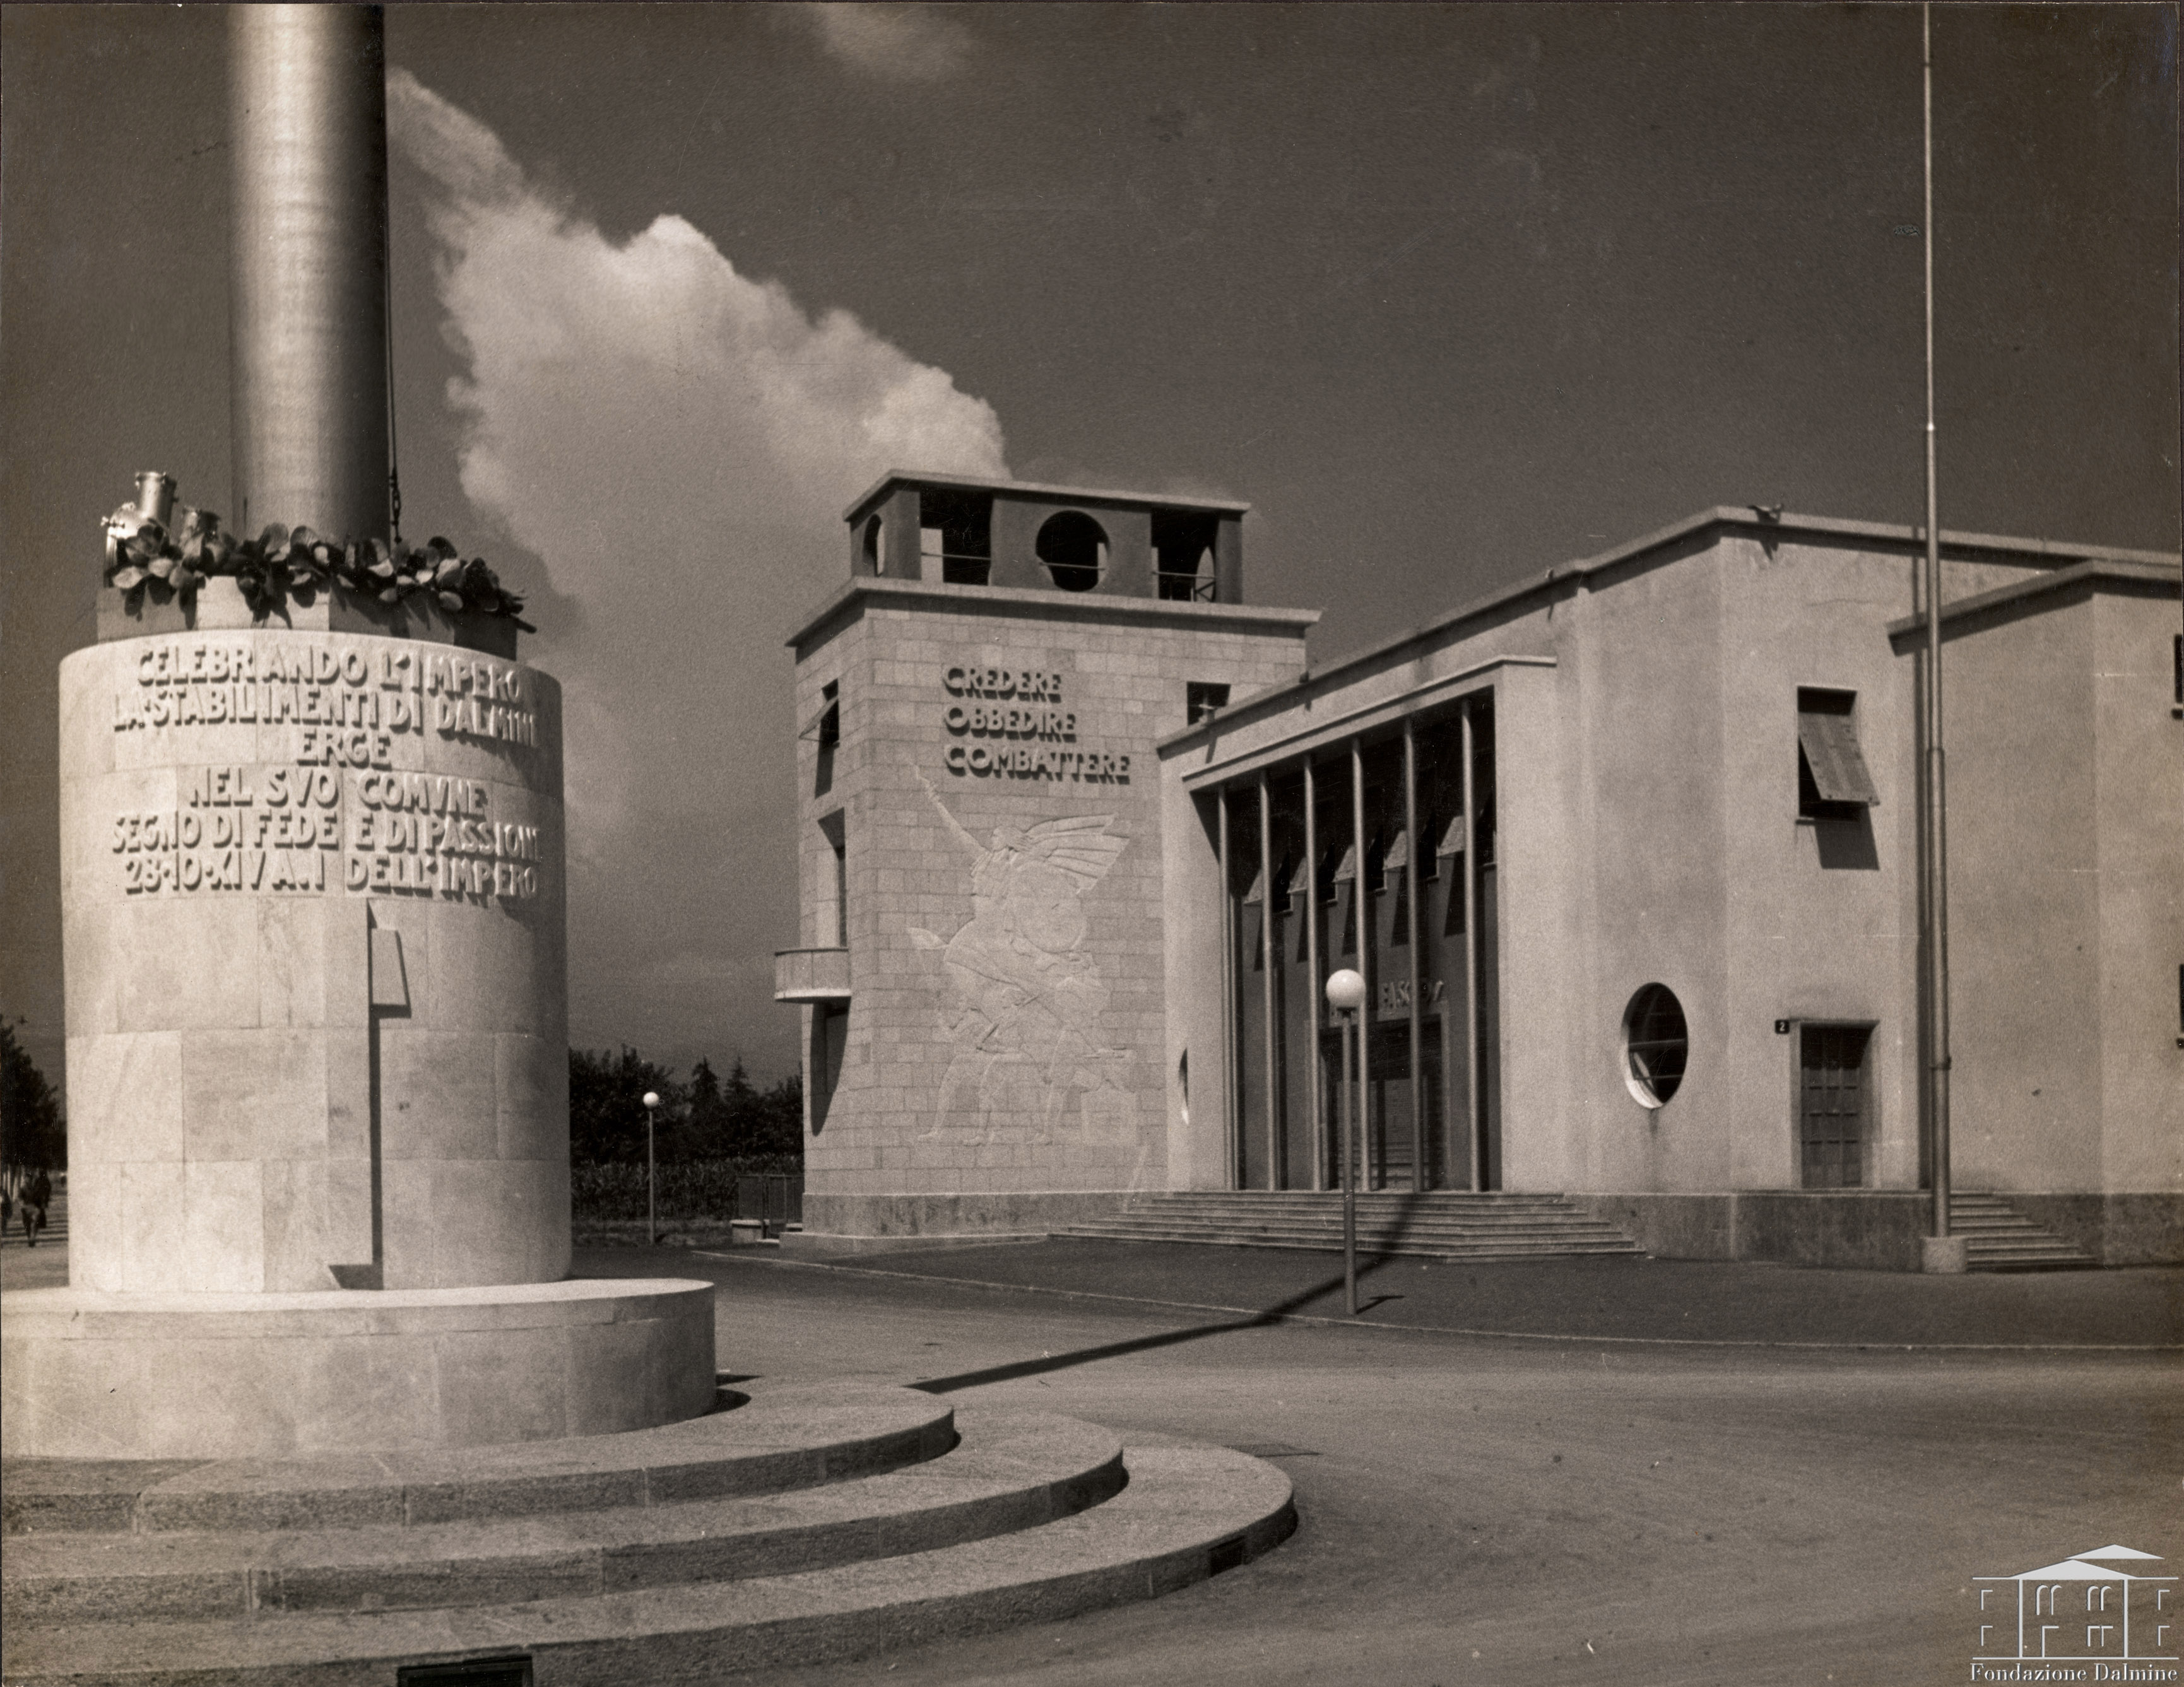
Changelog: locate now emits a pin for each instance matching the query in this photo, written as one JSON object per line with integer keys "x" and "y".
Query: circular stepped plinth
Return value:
{"x": 799, "y": 1522}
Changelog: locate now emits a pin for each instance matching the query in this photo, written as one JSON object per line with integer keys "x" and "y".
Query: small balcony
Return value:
{"x": 811, "y": 975}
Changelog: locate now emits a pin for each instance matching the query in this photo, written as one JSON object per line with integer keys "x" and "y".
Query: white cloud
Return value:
{"x": 675, "y": 441}
{"x": 643, "y": 407}
{"x": 896, "y": 44}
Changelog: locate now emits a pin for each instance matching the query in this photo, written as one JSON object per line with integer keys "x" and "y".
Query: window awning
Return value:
{"x": 1828, "y": 739}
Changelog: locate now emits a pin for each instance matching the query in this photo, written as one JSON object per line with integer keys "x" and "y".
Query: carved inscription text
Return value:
{"x": 333, "y": 815}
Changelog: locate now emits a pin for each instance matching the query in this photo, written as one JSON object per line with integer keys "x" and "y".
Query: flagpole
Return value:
{"x": 1934, "y": 867}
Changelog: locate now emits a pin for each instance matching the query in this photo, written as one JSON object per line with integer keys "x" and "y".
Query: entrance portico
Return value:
{"x": 1373, "y": 850}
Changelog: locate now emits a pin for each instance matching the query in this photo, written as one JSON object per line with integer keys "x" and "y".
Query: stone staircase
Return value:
{"x": 55, "y": 1234}
{"x": 1999, "y": 1238}
{"x": 798, "y": 1523}
{"x": 1440, "y": 1224}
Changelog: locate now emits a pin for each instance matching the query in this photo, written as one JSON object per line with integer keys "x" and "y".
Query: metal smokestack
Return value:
{"x": 307, "y": 267}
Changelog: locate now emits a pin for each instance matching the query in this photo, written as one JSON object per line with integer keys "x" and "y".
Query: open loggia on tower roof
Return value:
{"x": 963, "y": 531}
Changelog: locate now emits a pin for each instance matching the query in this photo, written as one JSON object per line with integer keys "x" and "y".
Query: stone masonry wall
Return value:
{"x": 999, "y": 804}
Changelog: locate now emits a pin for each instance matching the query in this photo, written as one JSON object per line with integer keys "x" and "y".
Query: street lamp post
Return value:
{"x": 651, "y": 1180}
{"x": 1345, "y": 994}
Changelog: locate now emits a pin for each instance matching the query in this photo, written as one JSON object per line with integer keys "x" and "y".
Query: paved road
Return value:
{"x": 1484, "y": 1510}
{"x": 1600, "y": 1298}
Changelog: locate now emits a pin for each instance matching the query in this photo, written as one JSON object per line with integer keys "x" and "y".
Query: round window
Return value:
{"x": 1655, "y": 1042}
{"x": 1074, "y": 549}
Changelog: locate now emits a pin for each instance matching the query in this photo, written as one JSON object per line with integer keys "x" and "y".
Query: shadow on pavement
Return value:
{"x": 1115, "y": 1349}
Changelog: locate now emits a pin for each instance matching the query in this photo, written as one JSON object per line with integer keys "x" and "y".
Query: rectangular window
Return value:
{"x": 1338, "y": 867}
{"x": 830, "y": 721}
{"x": 1183, "y": 555}
{"x": 1833, "y": 783}
{"x": 955, "y": 536}
{"x": 1200, "y": 699}
{"x": 1394, "y": 859}
{"x": 1299, "y": 886}
{"x": 841, "y": 895}
{"x": 1254, "y": 936}
{"x": 834, "y": 913}
{"x": 830, "y": 1035}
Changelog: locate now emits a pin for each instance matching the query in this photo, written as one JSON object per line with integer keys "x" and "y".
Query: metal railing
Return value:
{"x": 689, "y": 1192}
{"x": 778, "y": 1196}
{"x": 1185, "y": 588}
{"x": 957, "y": 570}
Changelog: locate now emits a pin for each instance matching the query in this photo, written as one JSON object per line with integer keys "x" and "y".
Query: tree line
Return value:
{"x": 33, "y": 1133}
{"x": 703, "y": 1117}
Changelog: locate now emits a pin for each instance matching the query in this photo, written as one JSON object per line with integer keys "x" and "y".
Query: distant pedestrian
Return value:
{"x": 38, "y": 1194}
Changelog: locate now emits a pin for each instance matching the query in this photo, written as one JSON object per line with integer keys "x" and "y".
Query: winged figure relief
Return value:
{"x": 1022, "y": 997}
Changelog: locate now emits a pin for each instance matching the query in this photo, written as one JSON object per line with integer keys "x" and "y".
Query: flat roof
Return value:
{"x": 1037, "y": 489}
{"x": 2094, "y": 571}
{"x": 1563, "y": 576}
{"x": 1079, "y": 606}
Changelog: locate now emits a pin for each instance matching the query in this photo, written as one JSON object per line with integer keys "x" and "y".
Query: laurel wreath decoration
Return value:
{"x": 283, "y": 563}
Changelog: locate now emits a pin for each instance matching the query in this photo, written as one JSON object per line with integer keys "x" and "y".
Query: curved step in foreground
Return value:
{"x": 773, "y": 1438}
{"x": 1013, "y": 1471}
{"x": 888, "y": 1530}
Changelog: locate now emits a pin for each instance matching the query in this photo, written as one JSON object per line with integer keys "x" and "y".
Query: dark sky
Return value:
{"x": 1450, "y": 294}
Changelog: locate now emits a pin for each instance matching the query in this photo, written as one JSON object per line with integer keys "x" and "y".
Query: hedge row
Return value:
{"x": 698, "y": 1188}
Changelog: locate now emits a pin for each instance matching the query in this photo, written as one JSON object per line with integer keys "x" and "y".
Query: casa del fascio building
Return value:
{"x": 1625, "y": 853}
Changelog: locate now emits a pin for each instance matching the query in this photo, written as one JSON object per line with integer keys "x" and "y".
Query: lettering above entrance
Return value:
{"x": 1395, "y": 995}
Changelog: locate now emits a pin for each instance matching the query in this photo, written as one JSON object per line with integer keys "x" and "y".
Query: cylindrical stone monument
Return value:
{"x": 312, "y": 909}
{"x": 312, "y": 903}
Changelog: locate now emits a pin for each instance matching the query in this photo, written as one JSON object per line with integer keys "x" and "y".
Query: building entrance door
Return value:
{"x": 1385, "y": 1123}
{"x": 1832, "y": 1126}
